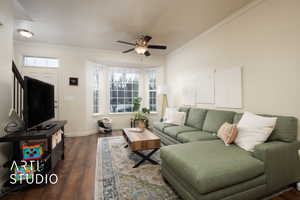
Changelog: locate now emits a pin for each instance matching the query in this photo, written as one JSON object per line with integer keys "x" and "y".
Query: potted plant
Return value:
{"x": 137, "y": 104}
{"x": 141, "y": 115}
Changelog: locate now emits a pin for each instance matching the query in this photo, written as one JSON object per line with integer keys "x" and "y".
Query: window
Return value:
{"x": 124, "y": 87}
{"x": 30, "y": 61}
{"x": 96, "y": 90}
{"x": 152, "y": 91}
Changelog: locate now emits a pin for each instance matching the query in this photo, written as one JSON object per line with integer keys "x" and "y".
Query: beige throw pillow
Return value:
{"x": 227, "y": 132}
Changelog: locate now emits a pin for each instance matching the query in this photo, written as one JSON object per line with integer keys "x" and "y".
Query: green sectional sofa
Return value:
{"x": 200, "y": 167}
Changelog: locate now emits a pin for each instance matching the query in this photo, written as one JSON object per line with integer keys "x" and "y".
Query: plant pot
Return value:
{"x": 142, "y": 124}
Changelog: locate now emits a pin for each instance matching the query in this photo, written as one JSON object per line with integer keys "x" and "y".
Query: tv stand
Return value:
{"x": 44, "y": 127}
{"x": 54, "y": 153}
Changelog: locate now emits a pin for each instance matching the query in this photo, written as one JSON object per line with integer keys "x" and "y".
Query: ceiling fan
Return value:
{"x": 142, "y": 46}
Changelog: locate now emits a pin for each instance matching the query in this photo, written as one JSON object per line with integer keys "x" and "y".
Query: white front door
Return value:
{"x": 46, "y": 75}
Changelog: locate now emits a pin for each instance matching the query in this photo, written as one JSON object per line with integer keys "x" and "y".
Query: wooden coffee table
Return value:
{"x": 140, "y": 141}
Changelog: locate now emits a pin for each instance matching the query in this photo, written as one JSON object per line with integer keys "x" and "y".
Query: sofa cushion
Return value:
{"x": 215, "y": 118}
{"x": 173, "y": 131}
{"x": 196, "y": 136}
{"x": 285, "y": 129}
{"x": 196, "y": 117}
{"x": 186, "y": 110}
{"x": 210, "y": 165}
{"x": 237, "y": 117}
{"x": 161, "y": 126}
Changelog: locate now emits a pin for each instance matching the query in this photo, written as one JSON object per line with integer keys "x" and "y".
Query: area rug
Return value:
{"x": 117, "y": 180}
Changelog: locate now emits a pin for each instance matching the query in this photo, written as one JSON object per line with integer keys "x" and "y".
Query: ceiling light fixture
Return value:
{"x": 140, "y": 50}
{"x": 25, "y": 33}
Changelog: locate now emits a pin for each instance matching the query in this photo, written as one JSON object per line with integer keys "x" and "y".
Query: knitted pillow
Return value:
{"x": 228, "y": 132}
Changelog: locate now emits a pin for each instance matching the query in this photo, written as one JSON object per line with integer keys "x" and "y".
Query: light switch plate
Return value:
{"x": 299, "y": 152}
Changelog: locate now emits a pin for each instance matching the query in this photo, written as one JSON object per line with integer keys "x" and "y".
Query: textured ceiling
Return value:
{"x": 99, "y": 23}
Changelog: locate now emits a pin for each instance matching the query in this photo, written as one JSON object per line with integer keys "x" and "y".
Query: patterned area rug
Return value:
{"x": 117, "y": 180}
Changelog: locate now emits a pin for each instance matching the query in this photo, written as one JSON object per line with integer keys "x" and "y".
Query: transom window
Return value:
{"x": 152, "y": 91}
{"x": 124, "y": 87}
{"x": 32, "y": 61}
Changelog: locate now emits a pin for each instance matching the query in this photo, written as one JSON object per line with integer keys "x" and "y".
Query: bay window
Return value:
{"x": 113, "y": 89}
{"x": 124, "y": 87}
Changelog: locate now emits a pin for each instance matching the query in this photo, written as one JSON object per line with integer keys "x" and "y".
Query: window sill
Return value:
{"x": 116, "y": 114}
{"x": 96, "y": 114}
{"x": 122, "y": 113}
{"x": 153, "y": 113}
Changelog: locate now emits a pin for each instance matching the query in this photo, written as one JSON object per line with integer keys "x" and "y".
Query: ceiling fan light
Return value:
{"x": 141, "y": 50}
{"x": 25, "y": 33}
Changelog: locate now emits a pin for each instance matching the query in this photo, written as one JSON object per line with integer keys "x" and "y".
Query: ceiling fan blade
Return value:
{"x": 157, "y": 47}
{"x": 123, "y": 42}
{"x": 147, "y": 53}
{"x": 129, "y": 50}
{"x": 147, "y": 38}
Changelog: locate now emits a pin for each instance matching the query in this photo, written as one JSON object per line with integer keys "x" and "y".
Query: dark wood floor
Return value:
{"x": 77, "y": 175}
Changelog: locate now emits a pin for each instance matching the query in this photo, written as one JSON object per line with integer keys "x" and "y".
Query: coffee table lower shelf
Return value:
{"x": 144, "y": 157}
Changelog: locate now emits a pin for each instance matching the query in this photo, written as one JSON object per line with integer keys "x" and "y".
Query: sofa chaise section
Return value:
{"x": 201, "y": 167}
{"x": 210, "y": 166}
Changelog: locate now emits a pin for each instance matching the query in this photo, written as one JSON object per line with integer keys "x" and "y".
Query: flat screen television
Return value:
{"x": 38, "y": 102}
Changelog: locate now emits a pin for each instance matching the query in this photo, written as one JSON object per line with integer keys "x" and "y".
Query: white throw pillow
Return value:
{"x": 168, "y": 114}
{"x": 253, "y": 130}
{"x": 172, "y": 116}
{"x": 178, "y": 118}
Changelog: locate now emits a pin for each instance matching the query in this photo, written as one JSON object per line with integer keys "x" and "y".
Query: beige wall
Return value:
{"x": 73, "y": 63}
{"x": 6, "y": 50}
{"x": 263, "y": 39}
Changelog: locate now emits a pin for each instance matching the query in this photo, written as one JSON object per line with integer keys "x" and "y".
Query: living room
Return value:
{"x": 150, "y": 100}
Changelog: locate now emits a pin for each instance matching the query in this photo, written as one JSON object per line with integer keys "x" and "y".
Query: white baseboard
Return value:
{"x": 80, "y": 133}
{"x": 85, "y": 133}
